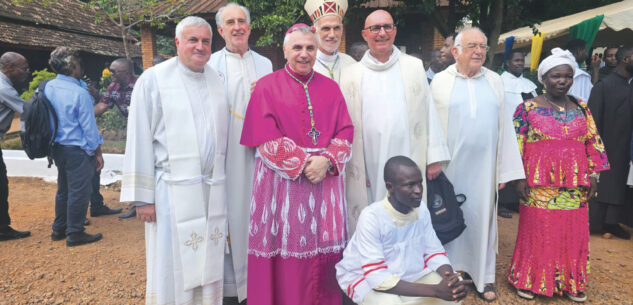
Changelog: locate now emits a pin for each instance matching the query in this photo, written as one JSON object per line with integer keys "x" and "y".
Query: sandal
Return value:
{"x": 526, "y": 294}
{"x": 580, "y": 297}
{"x": 488, "y": 288}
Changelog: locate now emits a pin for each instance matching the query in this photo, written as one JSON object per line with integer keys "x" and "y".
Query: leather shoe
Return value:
{"x": 86, "y": 222}
{"x": 58, "y": 235}
{"x": 129, "y": 214}
{"x": 82, "y": 238}
{"x": 9, "y": 233}
{"x": 104, "y": 210}
{"x": 617, "y": 231}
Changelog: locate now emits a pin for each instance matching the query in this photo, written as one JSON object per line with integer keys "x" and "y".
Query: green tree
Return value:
{"x": 272, "y": 18}
{"x": 126, "y": 14}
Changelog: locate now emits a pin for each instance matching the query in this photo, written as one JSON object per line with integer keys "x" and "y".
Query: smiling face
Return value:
{"x": 380, "y": 43}
{"x": 300, "y": 51}
{"x": 235, "y": 29}
{"x": 194, "y": 47}
{"x": 120, "y": 72}
{"x": 473, "y": 52}
{"x": 329, "y": 30}
{"x": 558, "y": 80}
{"x": 405, "y": 191}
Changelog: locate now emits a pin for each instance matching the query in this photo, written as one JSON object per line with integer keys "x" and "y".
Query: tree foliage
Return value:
{"x": 125, "y": 14}
{"x": 38, "y": 77}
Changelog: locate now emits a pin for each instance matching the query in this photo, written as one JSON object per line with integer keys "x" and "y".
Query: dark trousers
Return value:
{"x": 75, "y": 169}
{"x": 602, "y": 213}
{"x": 96, "y": 200}
{"x": 5, "y": 220}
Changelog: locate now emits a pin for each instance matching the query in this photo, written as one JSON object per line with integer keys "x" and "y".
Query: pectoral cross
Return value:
{"x": 314, "y": 134}
{"x": 216, "y": 236}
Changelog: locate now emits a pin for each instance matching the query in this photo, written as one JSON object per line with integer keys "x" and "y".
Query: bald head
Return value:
{"x": 10, "y": 59}
{"x": 15, "y": 67}
{"x": 379, "y": 33}
{"x": 393, "y": 167}
{"x": 121, "y": 71}
{"x": 378, "y": 15}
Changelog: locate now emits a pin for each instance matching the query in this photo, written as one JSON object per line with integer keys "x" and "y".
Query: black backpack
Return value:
{"x": 35, "y": 129}
{"x": 444, "y": 206}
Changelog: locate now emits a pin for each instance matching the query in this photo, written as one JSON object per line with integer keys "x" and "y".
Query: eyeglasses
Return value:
{"x": 473, "y": 47}
{"x": 375, "y": 29}
{"x": 118, "y": 72}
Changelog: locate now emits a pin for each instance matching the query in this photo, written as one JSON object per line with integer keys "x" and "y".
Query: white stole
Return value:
{"x": 427, "y": 142}
{"x": 263, "y": 65}
{"x": 199, "y": 227}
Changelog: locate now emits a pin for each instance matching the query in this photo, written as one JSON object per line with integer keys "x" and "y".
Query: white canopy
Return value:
{"x": 617, "y": 16}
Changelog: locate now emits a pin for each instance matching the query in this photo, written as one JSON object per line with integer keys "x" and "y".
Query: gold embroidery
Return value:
{"x": 216, "y": 236}
{"x": 195, "y": 240}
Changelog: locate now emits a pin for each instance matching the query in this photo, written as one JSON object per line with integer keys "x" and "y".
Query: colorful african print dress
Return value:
{"x": 560, "y": 149}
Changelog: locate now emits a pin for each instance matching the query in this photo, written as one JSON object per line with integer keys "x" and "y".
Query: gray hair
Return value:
{"x": 191, "y": 21}
{"x": 458, "y": 39}
{"x": 218, "y": 16}
{"x": 303, "y": 29}
{"x": 315, "y": 23}
{"x": 64, "y": 60}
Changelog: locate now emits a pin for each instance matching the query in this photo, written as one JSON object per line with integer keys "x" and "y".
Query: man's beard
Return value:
{"x": 329, "y": 48}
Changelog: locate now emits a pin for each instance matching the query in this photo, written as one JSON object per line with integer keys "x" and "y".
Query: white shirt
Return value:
{"x": 581, "y": 88}
{"x": 513, "y": 87}
{"x": 386, "y": 247}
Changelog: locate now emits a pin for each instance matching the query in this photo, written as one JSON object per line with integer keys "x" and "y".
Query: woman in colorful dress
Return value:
{"x": 562, "y": 157}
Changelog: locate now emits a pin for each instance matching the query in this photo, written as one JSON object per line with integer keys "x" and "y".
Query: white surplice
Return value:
{"x": 484, "y": 152}
{"x": 175, "y": 154}
{"x": 331, "y": 65}
{"x": 398, "y": 101}
{"x": 581, "y": 88}
{"x": 513, "y": 87}
{"x": 238, "y": 73}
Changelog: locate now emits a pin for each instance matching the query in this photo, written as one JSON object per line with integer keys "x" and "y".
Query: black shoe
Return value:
{"x": 86, "y": 222}
{"x": 9, "y": 233}
{"x": 58, "y": 235}
{"x": 104, "y": 210}
{"x": 617, "y": 231}
{"x": 129, "y": 214}
{"x": 82, "y": 238}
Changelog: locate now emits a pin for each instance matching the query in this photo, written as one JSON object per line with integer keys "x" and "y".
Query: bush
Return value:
{"x": 38, "y": 77}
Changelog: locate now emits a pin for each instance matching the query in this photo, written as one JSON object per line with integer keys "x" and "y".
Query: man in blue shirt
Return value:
{"x": 14, "y": 73}
{"x": 77, "y": 150}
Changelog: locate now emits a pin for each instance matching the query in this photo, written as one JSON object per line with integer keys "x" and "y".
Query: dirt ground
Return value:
{"x": 37, "y": 270}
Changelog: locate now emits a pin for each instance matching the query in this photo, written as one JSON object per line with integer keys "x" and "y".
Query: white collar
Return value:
{"x": 327, "y": 58}
{"x": 372, "y": 63}
{"x": 236, "y": 55}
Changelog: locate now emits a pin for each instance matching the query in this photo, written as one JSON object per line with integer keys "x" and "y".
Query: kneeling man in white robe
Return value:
{"x": 174, "y": 171}
{"x": 394, "y": 257}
